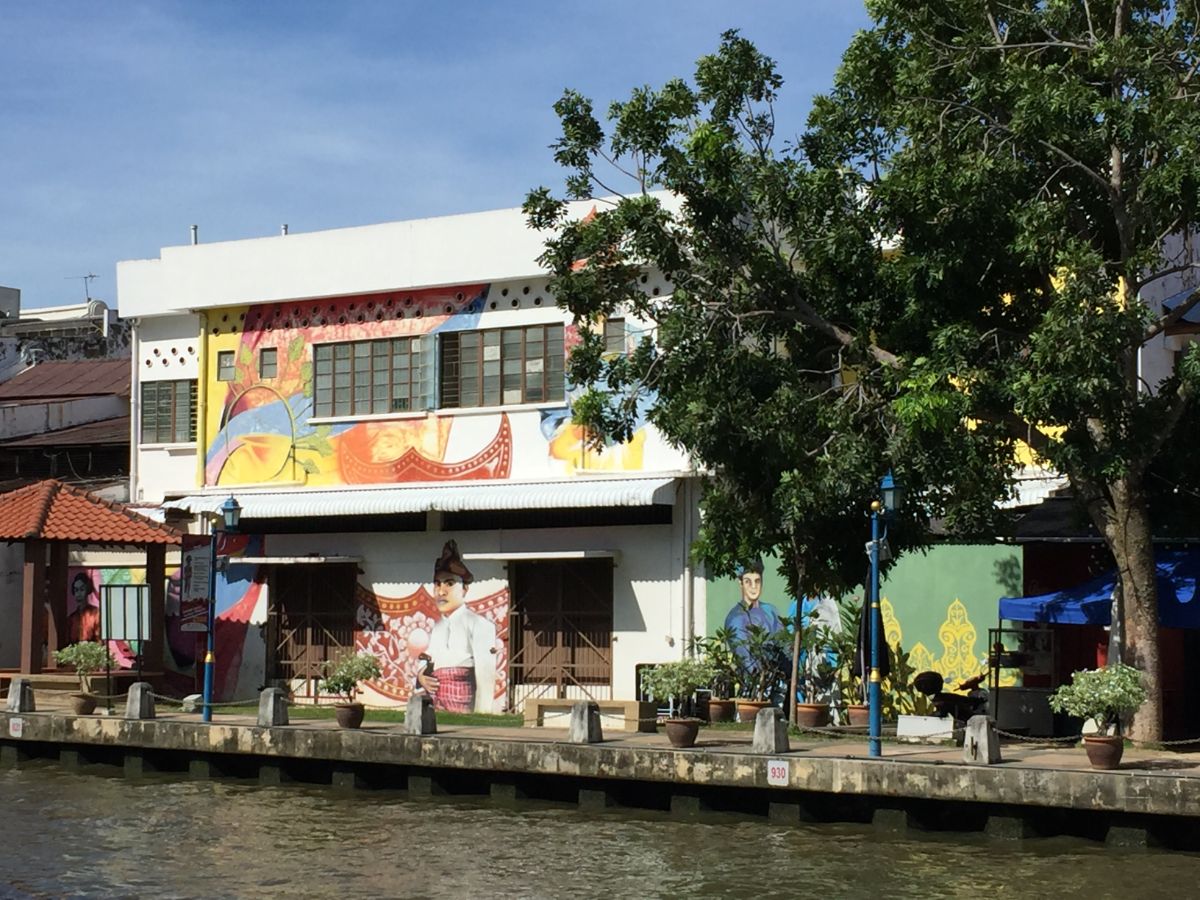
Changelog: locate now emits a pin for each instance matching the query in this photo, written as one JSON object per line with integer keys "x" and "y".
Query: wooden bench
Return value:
{"x": 632, "y": 715}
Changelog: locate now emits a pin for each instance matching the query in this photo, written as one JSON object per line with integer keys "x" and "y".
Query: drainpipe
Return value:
{"x": 689, "y": 593}
{"x": 202, "y": 401}
{"x": 135, "y": 411}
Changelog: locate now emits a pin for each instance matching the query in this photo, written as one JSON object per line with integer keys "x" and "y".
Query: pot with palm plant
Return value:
{"x": 677, "y": 683}
{"x": 765, "y": 665}
{"x": 726, "y": 673}
{"x": 851, "y": 688}
{"x": 816, "y": 676}
{"x": 342, "y": 677}
{"x": 1105, "y": 696}
{"x": 86, "y": 658}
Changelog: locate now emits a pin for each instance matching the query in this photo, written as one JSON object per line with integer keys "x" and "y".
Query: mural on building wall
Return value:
{"x": 259, "y": 409}
{"x": 446, "y": 642}
{"x": 84, "y": 591}
{"x": 750, "y": 610}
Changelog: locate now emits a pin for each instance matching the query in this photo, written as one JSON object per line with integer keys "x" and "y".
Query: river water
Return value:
{"x": 66, "y": 833}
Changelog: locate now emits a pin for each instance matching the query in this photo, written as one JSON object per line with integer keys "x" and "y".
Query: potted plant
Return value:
{"x": 1105, "y": 696}
{"x": 87, "y": 658}
{"x": 726, "y": 673}
{"x": 765, "y": 665}
{"x": 342, "y": 677}
{"x": 816, "y": 676}
{"x": 848, "y": 672}
{"x": 677, "y": 681}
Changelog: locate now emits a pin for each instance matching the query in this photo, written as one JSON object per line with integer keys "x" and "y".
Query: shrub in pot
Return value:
{"x": 765, "y": 666}
{"x": 816, "y": 675}
{"x": 342, "y": 677}
{"x": 677, "y": 682}
{"x": 86, "y": 658}
{"x": 726, "y": 673}
{"x": 1105, "y": 696}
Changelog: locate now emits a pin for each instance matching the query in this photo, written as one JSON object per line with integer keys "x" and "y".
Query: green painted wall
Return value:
{"x": 943, "y": 602}
{"x": 938, "y": 604}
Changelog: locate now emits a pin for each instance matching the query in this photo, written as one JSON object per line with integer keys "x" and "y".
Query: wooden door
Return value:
{"x": 560, "y": 630}
{"x": 310, "y": 619}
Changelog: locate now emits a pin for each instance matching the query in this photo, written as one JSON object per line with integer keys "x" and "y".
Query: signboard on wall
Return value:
{"x": 193, "y": 583}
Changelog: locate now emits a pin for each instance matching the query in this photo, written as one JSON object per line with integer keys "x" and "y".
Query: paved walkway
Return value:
{"x": 1015, "y": 754}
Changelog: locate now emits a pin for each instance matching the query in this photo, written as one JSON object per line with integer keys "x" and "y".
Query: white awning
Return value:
{"x": 564, "y": 493}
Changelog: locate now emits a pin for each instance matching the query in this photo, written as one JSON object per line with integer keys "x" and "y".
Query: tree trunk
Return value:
{"x": 1127, "y": 532}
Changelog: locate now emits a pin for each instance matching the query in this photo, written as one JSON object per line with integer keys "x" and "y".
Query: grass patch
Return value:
{"x": 298, "y": 711}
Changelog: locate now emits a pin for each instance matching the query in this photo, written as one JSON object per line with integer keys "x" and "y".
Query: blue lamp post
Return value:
{"x": 231, "y": 513}
{"x": 891, "y": 495}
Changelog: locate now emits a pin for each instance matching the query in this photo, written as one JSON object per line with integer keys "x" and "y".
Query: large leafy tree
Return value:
{"x": 954, "y": 257}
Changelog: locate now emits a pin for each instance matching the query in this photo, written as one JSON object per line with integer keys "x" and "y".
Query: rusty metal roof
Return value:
{"x": 79, "y": 378}
{"x": 106, "y": 432}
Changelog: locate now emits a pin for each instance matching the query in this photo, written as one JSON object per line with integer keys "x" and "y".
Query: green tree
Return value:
{"x": 953, "y": 258}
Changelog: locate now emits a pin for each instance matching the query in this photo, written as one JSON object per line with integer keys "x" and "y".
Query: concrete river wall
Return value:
{"x": 1012, "y": 800}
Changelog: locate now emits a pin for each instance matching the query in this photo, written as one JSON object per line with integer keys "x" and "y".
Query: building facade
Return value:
{"x": 381, "y": 398}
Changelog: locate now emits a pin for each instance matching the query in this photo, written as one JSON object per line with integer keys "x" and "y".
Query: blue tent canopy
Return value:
{"x": 1090, "y": 603}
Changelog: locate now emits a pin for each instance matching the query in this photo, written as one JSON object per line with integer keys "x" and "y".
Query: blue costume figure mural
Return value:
{"x": 750, "y": 610}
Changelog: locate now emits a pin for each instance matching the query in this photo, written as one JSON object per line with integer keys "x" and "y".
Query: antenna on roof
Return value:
{"x": 87, "y": 295}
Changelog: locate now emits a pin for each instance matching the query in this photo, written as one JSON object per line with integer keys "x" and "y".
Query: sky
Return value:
{"x": 126, "y": 123}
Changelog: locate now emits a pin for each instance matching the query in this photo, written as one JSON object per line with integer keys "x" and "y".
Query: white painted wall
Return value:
{"x": 18, "y": 419}
{"x": 476, "y": 247}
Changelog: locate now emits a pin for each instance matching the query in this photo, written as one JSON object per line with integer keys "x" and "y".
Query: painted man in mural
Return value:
{"x": 462, "y": 644}
{"x": 750, "y": 610}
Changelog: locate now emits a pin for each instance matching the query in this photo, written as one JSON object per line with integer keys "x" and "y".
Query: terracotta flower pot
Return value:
{"x": 83, "y": 704}
{"x": 859, "y": 715}
{"x": 721, "y": 710}
{"x": 349, "y": 715}
{"x": 1104, "y": 750}
{"x": 682, "y": 732}
{"x": 812, "y": 715}
{"x": 748, "y": 709}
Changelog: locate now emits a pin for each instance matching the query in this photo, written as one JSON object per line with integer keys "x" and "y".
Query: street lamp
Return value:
{"x": 231, "y": 514}
{"x": 891, "y": 496}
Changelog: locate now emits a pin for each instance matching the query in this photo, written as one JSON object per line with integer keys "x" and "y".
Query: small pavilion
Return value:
{"x": 47, "y": 518}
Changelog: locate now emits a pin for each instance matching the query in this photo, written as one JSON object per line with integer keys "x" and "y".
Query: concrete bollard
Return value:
{"x": 981, "y": 744}
{"x": 584, "y": 727}
{"x": 419, "y": 717}
{"x": 272, "y": 707}
{"x": 770, "y": 732}
{"x": 20, "y": 696}
{"x": 139, "y": 703}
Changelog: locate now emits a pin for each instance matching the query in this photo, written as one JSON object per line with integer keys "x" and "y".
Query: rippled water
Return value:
{"x": 69, "y": 833}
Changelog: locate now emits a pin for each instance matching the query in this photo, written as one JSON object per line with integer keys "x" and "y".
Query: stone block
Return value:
{"x": 134, "y": 765}
{"x": 686, "y": 805}
{"x": 981, "y": 743}
{"x": 505, "y": 793}
{"x": 201, "y": 769}
{"x": 191, "y": 703}
{"x": 269, "y": 773}
{"x": 924, "y": 729}
{"x": 584, "y": 726}
{"x": 20, "y": 696}
{"x": 888, "y": 818}
{"x": 419, "y": 717}
{"x": 272, "y": 708}
{"x": 770, "y": 732}
{"x": 139, "y": 704}
{"x": 1010, "y": 827}
{"x": 347, "y": 777}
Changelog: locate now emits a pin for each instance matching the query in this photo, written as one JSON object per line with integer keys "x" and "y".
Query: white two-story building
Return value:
{"x": 368, "y": 395}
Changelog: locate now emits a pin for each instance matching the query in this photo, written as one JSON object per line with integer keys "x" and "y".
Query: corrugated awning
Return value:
{"x": 565, "y": 493}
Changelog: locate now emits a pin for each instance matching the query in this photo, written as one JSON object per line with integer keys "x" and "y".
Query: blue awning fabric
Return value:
{"x": 1090, "y": 603}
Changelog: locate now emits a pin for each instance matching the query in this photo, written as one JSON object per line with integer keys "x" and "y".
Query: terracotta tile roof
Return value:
{"x": 53, "y": 511}
{"x": 90, "y": 434}
{"x": 80, "y": 378}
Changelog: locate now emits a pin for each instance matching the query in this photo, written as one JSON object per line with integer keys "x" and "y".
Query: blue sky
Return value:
{"x": 125, "y": 123}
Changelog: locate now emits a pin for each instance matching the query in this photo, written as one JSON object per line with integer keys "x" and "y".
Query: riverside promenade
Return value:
{"x": 1154, "y": 799}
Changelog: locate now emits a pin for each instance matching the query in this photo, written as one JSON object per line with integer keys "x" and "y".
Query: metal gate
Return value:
{"x": 310, "y": 619}
{"x": 560, "y": 630}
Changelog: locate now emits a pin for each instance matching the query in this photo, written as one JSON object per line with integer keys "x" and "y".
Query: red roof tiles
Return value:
{"x": 53, "y": 511}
